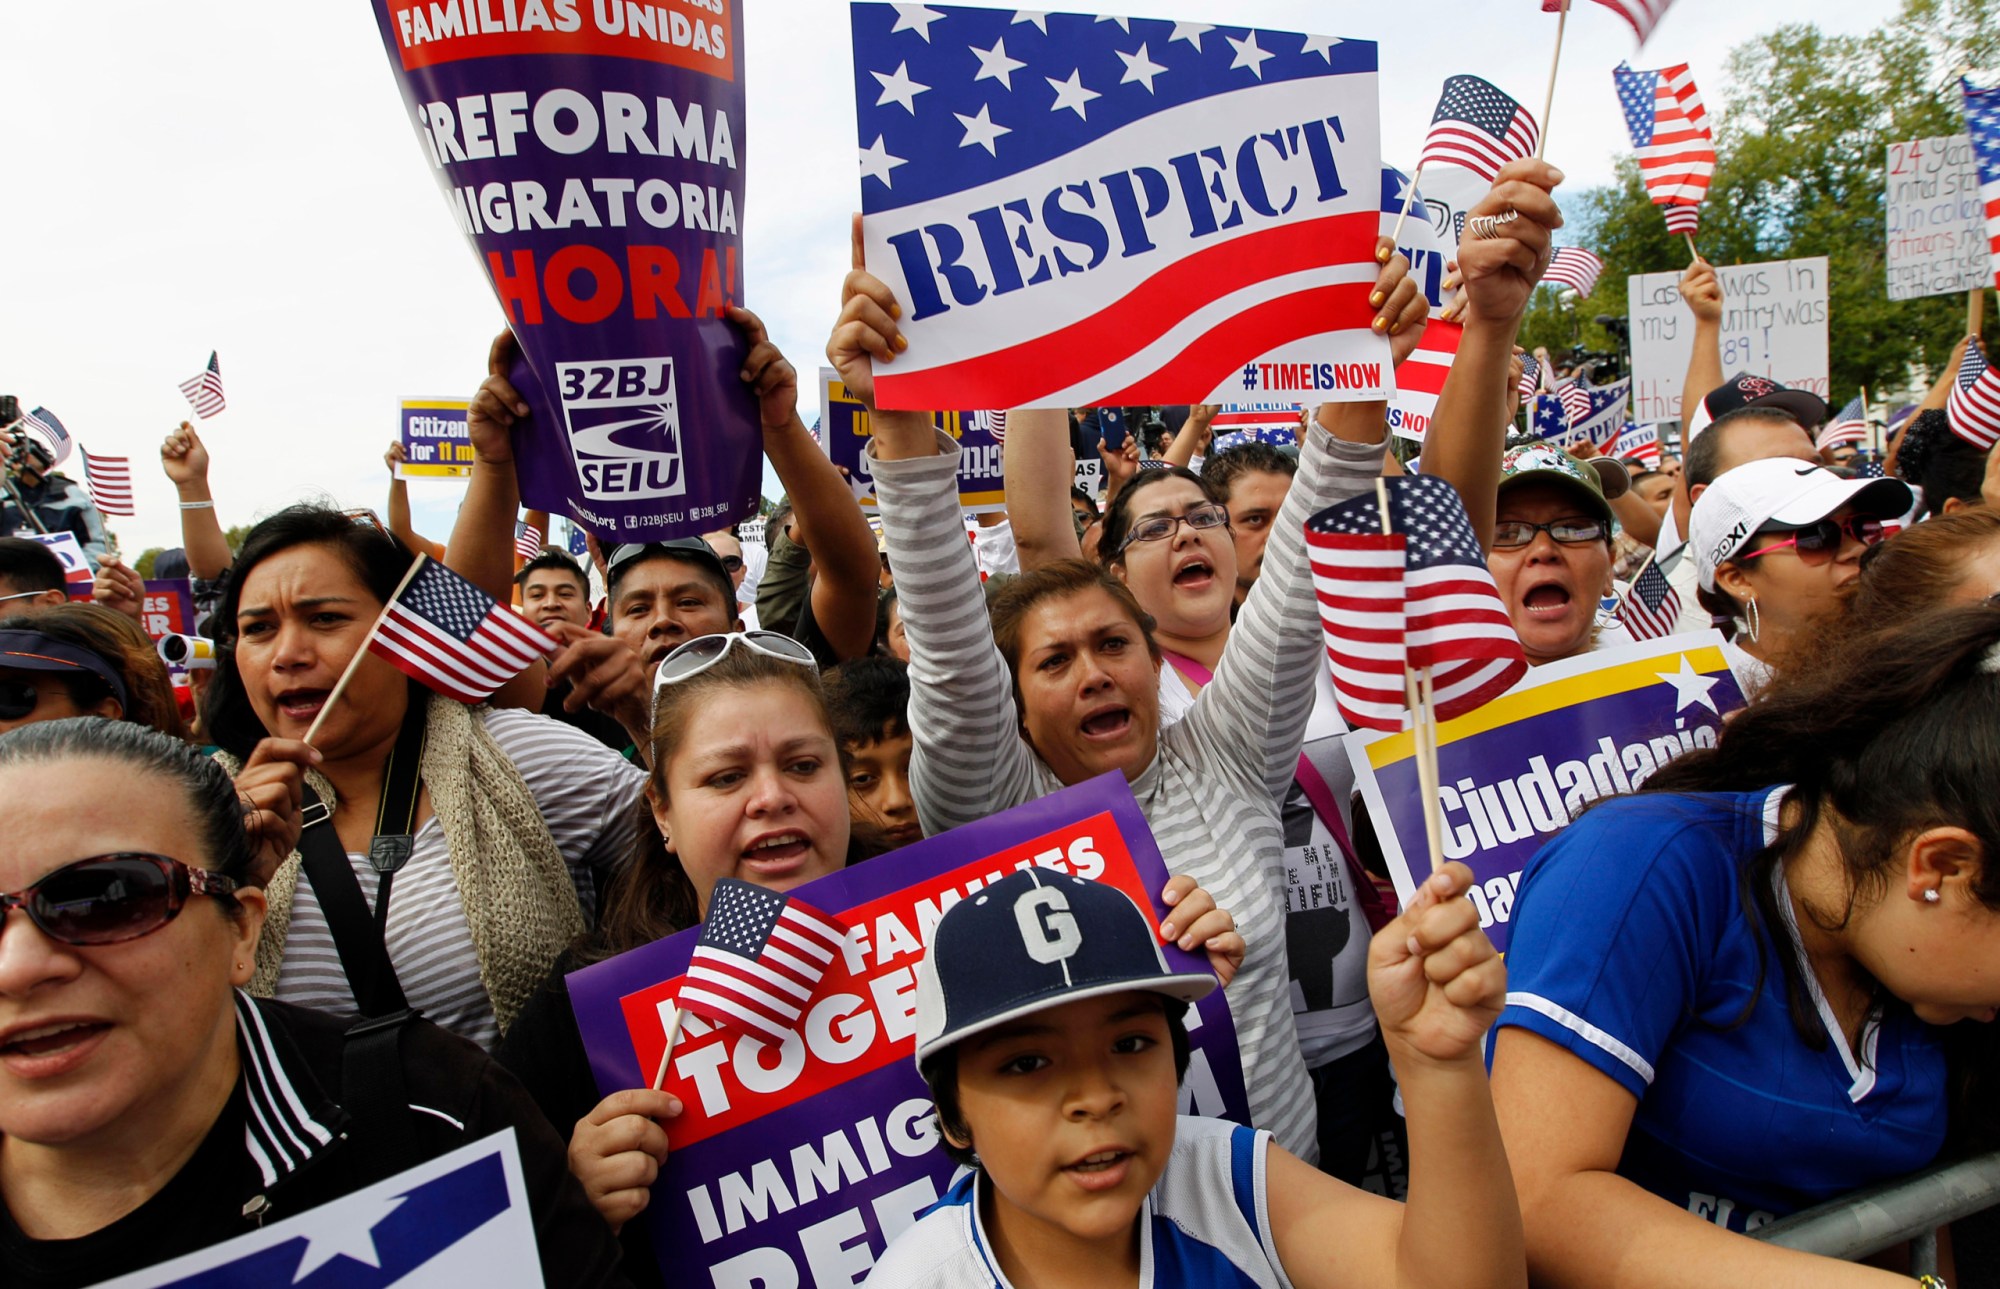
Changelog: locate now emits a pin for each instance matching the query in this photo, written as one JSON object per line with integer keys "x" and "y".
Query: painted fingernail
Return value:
{"x": 895, "y": 310}
{"x": 1375, "y": 299}
{"x": 901, "y": 344}
{"x": 1381, "y": 324}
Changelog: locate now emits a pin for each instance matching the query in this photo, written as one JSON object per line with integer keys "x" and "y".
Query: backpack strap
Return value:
{"x": 373, "y": 1093}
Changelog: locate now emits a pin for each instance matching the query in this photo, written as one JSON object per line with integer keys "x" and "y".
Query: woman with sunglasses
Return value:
{"x": 488, "y": 832}
{"x": 747, "y": 782}
{"x": 83, "y": 660}
{"x": 1776, "y": 543}
{"x": 1739, "y": 992}
{"x": 149, "y": 1107}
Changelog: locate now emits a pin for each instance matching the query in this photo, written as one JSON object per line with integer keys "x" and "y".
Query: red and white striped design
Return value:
{"x": 1575, "y": 400}
{"x": 110, "y": 482}
{"x": 1479, "y": 127}
{"x": 1574, "y": 268}
{"x": 1973, "y": 410}
{"x": 1421, "y": 378}
{"x": 759, "y": 971}
{"x": 1671, "y": 139}
{"x": 1644, "y": 15}
{"x": 203, "y": 390}
{"x": 1639, "y": 443}
{"x": 446, "y": 632}
{"x": 527, "y": 542}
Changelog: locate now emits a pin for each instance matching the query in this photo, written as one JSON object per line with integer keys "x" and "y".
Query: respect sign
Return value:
{"x": 435, "y": 442}
{"x": 797, "y": 1163}
{"x": 1936, "y": 222}
{"x": 1514, "y": 772}
{"x": 1077, "y": 210}
{"x": 845, "y": 431}
{"x": 1774, "y": 318}
{"x": 592, "y": 154}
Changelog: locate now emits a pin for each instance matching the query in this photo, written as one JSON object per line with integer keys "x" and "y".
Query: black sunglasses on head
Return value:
{"x": 17, "y": 698}
{"x": 108, "y": 899}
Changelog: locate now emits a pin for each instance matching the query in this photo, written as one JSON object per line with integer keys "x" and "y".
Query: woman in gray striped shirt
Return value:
{"x": 1060, "y": 685}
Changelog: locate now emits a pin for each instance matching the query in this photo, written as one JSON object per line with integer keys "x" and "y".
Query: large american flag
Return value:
{"x": 1849, "y": 425}
{"x": 1417, "y": 597}
{"x": 446, "y": 632}
{"x": 1651, "y": 607}
{"x": 1973, "y": 409}
{"x": 1982, "y": 122}
{"x": 953, "y": 103}
{"x": 44, "y": 425}
{"x": 1574, "y": 268}
{"x": 760, "y": 957}
{"x": 1479, "y": 127}
{"x": 1642, "y": 14}
{"x": 110, "y": 482}
{"x": 203, "y": 390}
{"x": 1669, "y": 128}
{"x": 1639, "y": 443}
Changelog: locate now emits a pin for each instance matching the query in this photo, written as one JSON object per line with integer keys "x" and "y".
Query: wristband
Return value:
{"x": 197, "y": 505}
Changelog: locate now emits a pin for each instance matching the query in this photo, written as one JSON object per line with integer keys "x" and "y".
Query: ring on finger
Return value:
{"x": 1486, "y": 227}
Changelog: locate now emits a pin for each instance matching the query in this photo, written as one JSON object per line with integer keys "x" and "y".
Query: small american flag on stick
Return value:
{"x": 1479, "y": 127}
{"x": 527, "y": 542}
{"x": 1973, "y": 410}
{"x": 1531, "y": 377}
{"x": 43, "y": 423}
{"x": 1418, "y": 596}
{"x": 760, "y": 957}
{"x": 1849, "y": 425}
{"x": 110, "y": 482}
{"x": 1642, "y": 14}
{"x": 446, "y": 632}
{"x": 204, "y": 389}
{"x": 1574, "y": 268}
{"x": 1669, "y": 128}
{"x": 1651, "y": 607}
{"x": 1982, "y": 123}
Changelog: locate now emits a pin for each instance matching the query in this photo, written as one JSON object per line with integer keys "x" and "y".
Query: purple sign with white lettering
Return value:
{"x": 796, "y": 1163}
{"x": 591, "y": 151}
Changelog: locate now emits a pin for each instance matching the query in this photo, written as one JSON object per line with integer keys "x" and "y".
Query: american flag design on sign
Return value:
{"x": 54, "y": 435}
{"x": 1669, "y": 128}
{"x": 446, "y": 632}
{"x": 1479, "y": 127}
{"x": 1575, "y": 268}
{"x": 1639, "y": 443}
{"x": 1642, "y": 14}
{"x": 1973, "y": 410}
{"x": 1982, "y": 123}
{"x": 203, "y": 390}
{"x": 110, "y": 482}
{"x": 1419, "y": 596}
{"x": 1421, "y": 378}
{"x": 1550, "y": 421}
{"x": 1603, "y": 415}
{"x": 1651, "y": 608}
{"x": 760, "y": 957}
{"x": 1847, "y": 426}
{"x": 1034, "y": 190}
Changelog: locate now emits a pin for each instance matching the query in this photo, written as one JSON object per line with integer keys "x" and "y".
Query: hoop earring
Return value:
{"x": 1756, "y": 619}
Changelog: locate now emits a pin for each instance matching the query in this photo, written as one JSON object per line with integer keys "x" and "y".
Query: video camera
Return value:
{"x": 1594, "y": 365}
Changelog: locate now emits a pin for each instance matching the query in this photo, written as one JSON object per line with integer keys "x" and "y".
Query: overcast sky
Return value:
{"x": 239, "y": 176}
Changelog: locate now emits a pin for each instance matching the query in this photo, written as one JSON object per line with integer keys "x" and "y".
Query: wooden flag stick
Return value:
{"x": 1692, "y": 252}
{"x": 1396, "y": 235}
{"x": 1975, "y": 311}
{"x": 1874, "y": 438}
{"x": 1555, "y": 61}
{"x": 667, "y": 1052}
{"x": 340, "y": 686}
{"x": 1427, "y": 753}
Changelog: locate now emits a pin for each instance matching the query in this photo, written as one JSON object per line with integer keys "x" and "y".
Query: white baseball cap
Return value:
{"x": 1779, "y": 492}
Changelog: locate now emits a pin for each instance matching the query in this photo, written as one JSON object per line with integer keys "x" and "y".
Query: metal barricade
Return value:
{"x": 1911, "y": 1208}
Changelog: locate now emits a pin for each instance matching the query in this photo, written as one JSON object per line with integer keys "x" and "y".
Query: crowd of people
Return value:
{"x": 1757, "y": 983}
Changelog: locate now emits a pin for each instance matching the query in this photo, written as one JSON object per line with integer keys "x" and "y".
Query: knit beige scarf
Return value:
{"x": 519, "y": 899}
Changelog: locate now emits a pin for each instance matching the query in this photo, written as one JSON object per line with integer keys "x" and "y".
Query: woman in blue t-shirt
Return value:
{"x": 1724, "y": 992}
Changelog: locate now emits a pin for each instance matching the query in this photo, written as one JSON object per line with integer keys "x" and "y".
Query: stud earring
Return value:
{"x": 1931, "y": 896}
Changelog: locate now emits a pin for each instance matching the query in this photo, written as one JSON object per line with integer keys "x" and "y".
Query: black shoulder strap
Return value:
{"x": 363, "y": 955}
{"x": 373, "y": 1093}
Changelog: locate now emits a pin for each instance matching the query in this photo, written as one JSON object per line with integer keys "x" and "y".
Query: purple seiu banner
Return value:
{"x": 1514, "y": 772}
{"x": 592, "y": 153}
{"x": 797, "y": 1165}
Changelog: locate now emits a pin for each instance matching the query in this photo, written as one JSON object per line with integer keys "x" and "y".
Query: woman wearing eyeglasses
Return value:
{"x": 148, "y": 1106}
{"x": 1776, "y": 542}
{"x": 1551, "y": 551}
{"x": 486, "y": 832}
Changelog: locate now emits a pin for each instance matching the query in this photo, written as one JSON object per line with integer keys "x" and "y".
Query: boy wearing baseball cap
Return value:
{"x": 1051, "y": 1033}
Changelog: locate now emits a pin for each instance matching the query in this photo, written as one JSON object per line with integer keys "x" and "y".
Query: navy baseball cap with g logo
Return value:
{"x": 1032, "y": 941}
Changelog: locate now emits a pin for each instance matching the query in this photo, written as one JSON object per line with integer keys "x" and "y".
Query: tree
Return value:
{"x": 1801, "y": 141}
